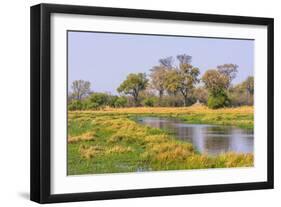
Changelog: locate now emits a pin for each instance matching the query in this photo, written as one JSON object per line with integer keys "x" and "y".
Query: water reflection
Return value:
{"x": 210, "y": 139}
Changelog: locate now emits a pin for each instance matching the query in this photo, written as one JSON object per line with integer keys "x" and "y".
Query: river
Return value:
{"x": 209, "y": 139}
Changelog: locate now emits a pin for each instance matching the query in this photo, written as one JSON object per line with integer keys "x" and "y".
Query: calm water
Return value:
{"x": 210, "y": 139}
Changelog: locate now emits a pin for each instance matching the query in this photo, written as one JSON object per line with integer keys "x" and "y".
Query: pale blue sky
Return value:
{"x": 105, "y": 59}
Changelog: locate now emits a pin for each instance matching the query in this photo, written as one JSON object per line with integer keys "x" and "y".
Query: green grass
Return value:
{"x": 114, "y": 143}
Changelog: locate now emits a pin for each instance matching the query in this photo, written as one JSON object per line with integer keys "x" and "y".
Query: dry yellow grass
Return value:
{"x": 88, "y": 152}
{"x": 167, "y": 151}
{"x": 158, "y": 138}
{"x": 232, "y": 159}
{"x": 239, "y": 116}
{"x": 171, "y": 110}
{"x": 88, "y": 136}
{"x": 118, "y": 149}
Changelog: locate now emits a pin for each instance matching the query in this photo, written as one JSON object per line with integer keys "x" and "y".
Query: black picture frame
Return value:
{"x": 41, "y": 98}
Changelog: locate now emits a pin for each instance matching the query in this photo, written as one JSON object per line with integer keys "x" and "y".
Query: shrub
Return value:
{"x": 218, "y": 100}
{"x": 111, "y": 100}
{"x": 150, "y": 101}
{"x": 98, "y": 100}
{"x": 120, "y": 102}
{"x": 75, "y": 105}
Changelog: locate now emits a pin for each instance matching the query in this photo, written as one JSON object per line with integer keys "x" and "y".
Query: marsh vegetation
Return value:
{"x": 111, "y": 140}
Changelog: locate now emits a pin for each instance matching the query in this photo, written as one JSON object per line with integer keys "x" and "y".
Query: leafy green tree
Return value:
{"x": 80, "y": 89}
{"x": 133, "y": 85}
{"x": 217, "y": 84}
{"x": 171, "y": 83}
{"x": 182, "y": 79}
{"x": 187, "y": 78}
{"x": 215, "y": 81}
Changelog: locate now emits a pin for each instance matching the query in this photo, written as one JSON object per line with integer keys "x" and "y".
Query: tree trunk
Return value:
{"x": 174, "y": 99}
{"x": 160, "y": 97}
{"x": 248, "y": 97}
{"x": 136, "y": 100}
{"x": 184, "y": 94}
{"x": 185, "y": 101}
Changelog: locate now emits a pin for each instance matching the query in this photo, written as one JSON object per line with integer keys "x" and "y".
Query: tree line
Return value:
{"x": 170, "y": 83}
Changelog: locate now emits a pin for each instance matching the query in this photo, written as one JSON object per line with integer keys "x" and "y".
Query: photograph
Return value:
{"x": 133, "y": 103}
{"x": 140, "y": 103}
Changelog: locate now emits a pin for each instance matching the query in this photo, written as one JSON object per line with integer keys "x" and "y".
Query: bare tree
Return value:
{"x": 158, "y": 76}
{"x": 229, "y": 71}
{"x": 80, "y": 89}
{"x": 184, "y": 59}
{"x": 167, "y": 62}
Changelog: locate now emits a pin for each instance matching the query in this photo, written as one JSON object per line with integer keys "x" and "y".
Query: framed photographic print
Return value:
{"x": 133, "y": 103}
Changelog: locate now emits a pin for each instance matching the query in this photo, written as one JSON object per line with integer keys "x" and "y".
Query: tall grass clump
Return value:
{"x": 88, "y": 136}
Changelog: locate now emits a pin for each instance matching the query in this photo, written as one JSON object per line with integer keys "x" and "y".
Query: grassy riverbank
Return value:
{"x": 109, "y": 141}
{"x": 241, "y": 116}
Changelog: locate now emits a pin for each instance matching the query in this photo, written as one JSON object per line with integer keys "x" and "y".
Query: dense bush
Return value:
{"x": 218, "y": 100}
{"x": 75, "y": 105}
{"x": 150, "y": 101}
{"x": 98, "y": 100}
{"x": 120, "y": 102}
{"x": 239, "y": 96}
